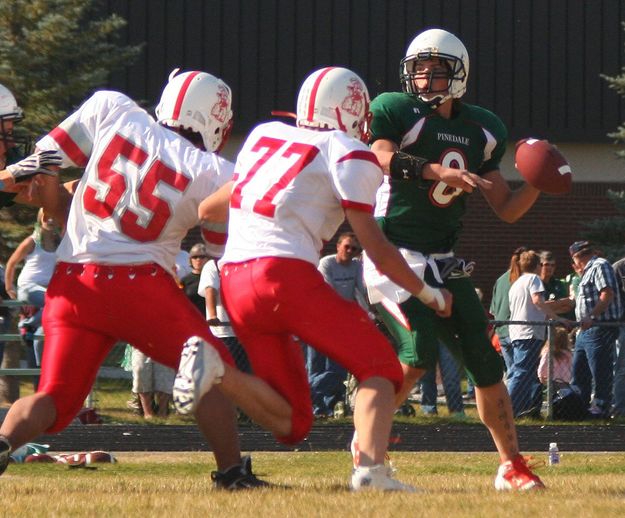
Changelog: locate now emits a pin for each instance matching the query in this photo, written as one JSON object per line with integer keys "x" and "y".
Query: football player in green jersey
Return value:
{"x": 435, "y": 149}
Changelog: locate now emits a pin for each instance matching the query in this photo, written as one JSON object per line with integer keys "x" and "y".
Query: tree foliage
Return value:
{"x": 609, "y": 233}
{"x": 53, "y": 54}
{"x": 618, "y": 83}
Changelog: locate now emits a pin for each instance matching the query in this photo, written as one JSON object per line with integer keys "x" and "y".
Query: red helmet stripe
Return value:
{"x": 313, "y": 92}
{"x": 182, "y": 93}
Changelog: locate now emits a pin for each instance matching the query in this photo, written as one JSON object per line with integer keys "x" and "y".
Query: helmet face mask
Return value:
{"x": 420, "y": 64}
{"x": 200, "y": 103}
{"x": 335, "y": 98}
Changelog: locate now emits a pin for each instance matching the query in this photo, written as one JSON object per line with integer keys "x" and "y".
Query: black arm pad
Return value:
{"x": 407, "y": 167}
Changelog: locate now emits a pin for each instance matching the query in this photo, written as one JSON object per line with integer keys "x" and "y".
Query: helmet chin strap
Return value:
{"x": 436, "y": 101}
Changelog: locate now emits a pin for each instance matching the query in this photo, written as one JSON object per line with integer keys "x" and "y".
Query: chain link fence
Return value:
{"x": 545, "y": 395}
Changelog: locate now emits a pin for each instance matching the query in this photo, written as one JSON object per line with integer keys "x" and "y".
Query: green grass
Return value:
{"x": 311, "y": 484}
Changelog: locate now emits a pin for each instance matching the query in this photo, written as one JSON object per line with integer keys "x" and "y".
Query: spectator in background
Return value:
{"x": 450, "y": 374}
{"x": 38, "y": 251}
{"x": 618, "y": 410}
{"x": 598, "y": 300}
{"x": 198, "y": 257}
{"x": 500, "y": 306}
{"x": 153, "y": 382}
{"x": 342, "y": 271}
{"x": 562, "y": 360}
{"x": 5, "y": 313}
{"x": 182, "y": 266}
{"x": 556, "y": 290}
{"x": 527, "y": 303}
{"x": 209, "y": 290}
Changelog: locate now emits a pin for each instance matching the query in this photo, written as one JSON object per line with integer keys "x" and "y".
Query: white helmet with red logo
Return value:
{"x": 197, "y": 102}
{"x": 335, "y": 98}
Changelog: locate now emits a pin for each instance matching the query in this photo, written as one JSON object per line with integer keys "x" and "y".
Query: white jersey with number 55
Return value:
{"x": 291, "y": 188}
{"x": 141, "y": 187}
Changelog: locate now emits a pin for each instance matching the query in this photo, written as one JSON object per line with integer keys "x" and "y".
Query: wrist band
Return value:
{"x": 429, "y": 294}
{"x": 404, "y": 166}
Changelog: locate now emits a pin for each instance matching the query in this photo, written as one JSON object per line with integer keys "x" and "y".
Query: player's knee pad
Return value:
{"x": 301, "y": 423}
{"x": 66, "y": 410}
{"x": 389, "y": 370}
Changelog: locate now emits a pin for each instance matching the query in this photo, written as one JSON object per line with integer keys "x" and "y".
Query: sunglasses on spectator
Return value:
{"x": 199, "y": 257}
{"x": 352, "y": 248}
{"x": 547, "y": 264}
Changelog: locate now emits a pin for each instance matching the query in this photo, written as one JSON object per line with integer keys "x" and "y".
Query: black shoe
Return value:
{"x": 5, "y": 450}
{"x": 238, "y": 477}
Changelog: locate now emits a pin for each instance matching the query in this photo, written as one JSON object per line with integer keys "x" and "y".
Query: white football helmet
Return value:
{"x": 10, "y": 111}
{"x": 197, "y": 102}
{"x": 436, "y": 43}
{"x": 335, "y": 98}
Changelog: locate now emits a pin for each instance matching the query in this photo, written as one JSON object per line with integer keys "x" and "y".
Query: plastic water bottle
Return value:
{"x": 554, "y": 454}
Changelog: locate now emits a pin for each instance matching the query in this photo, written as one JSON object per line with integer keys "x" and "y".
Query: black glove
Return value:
{"x": 37, "y": 163}
{"x": 407, "y": 167}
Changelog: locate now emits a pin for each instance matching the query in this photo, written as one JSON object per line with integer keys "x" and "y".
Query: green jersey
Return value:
{"x": 427, "y": 216}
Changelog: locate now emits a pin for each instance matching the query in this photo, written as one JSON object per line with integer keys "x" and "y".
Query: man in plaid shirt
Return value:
{"x": 598, "y": 300}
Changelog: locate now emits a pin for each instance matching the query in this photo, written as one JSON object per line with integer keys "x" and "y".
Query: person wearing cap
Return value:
{"x": 556, "y": 291}
{"x": 598, "y": 301}
{"x": 198, "y": 257}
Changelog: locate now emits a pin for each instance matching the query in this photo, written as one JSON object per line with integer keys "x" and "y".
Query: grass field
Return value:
{"x": 311, "y": 484}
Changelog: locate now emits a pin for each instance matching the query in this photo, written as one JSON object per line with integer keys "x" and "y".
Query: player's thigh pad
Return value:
{"x": 71, "y": 357}
{"x": 294, "y": 298}
{"x": 272, "y": 352}
{"x": 412, "y": 326}
{"x": 467, "y": 329}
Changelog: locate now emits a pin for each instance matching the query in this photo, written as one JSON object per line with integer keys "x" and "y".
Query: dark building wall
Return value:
{"x": 536, "y": 63}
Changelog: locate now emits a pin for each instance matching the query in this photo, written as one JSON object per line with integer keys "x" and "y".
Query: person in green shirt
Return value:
{"x": 556, "y": 290}
{"x": 420, "y": 137}
{"x": 500, "y": 306}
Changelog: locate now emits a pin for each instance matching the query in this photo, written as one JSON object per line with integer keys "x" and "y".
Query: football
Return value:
{"x": 543, "y": 166}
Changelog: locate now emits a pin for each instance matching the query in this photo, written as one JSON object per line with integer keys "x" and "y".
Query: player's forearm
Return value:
{"x": 7, "y": 182}
{"x": 507, "y": 204}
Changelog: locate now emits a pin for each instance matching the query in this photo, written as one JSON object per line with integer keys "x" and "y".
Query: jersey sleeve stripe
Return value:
{"x": 360, "y": 155}
{"x": 217, "y": 238}
{"x": 69, "y": 147}
{"x": 363, "y": 207}
{"x": 313, "y": 93}
{"x": 181, "y": 95}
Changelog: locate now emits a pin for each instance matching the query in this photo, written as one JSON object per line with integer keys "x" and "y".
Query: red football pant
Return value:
{"x": 270, "y": 300}
{"x": 89, "y": 308}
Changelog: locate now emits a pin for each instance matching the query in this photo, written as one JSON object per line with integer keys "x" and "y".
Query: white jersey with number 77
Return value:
{"x": 291, "y": 188}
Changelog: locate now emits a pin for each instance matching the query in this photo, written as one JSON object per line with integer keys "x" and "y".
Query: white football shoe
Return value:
{"x": 200, "y": 368}
{"x": 378, "y": 477}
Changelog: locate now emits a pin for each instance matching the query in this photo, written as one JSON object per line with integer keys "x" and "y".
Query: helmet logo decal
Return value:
{"x": 355, "y": 99}
{"x": 220, "y": 108}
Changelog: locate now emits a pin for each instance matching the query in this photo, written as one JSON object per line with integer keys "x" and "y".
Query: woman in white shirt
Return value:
{"x": 527, "y": 303}
{"x": 38, "y": 251}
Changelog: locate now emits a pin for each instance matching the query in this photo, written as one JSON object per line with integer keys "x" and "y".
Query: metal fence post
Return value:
{"x": 550, "y": 334}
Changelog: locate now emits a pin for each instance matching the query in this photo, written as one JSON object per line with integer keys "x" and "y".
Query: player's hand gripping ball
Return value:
{"x": 543, "y": 166}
